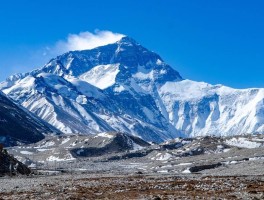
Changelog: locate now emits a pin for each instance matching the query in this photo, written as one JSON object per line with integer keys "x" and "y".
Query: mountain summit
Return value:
{"x": 127, "y": 88}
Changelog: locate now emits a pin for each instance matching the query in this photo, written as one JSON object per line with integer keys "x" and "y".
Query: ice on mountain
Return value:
{"x": 125, "y": 87}
{"x": 102, "y": 76}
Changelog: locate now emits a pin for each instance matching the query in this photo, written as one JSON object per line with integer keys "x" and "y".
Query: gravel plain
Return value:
{"x": 205, "y": 168}
{"x": 136, "y": 186}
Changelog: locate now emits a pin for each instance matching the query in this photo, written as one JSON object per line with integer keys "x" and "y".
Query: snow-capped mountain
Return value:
{"x": 125, "y": 87}
{"x": 18, "y": 126}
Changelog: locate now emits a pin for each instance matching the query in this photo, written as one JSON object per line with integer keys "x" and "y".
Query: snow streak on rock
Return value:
{"x": 125, "y": 87}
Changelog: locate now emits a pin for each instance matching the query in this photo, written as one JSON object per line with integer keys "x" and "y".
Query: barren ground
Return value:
{"x": 103, "y": 186}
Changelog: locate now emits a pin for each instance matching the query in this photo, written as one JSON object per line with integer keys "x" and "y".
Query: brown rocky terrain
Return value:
{"x": 134, "y": 187}
{"x": 65, "y": 167}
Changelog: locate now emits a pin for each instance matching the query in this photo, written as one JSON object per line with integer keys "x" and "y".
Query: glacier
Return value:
{"x": 125, "y": 87}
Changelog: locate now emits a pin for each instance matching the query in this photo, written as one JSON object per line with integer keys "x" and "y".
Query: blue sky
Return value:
{"x": 216, "y": 41}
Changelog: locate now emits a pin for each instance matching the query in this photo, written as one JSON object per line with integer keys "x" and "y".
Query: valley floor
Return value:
{"x": 201, "y": 168}
{"x": 136, "y": 186}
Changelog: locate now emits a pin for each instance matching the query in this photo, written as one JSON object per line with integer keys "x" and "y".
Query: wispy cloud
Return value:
{"x": 85, "y": 40}
{"x": 37, "y": 57}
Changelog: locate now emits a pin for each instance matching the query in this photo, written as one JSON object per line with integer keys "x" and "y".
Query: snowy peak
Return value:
{"x": 129, "y": 54}
{"x": 124, "y": 87}
{"x": 126, "y": 40}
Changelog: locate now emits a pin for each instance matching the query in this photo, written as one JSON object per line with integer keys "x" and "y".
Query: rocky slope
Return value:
{"x": 18, "y": 126}
{"x": 125, "y": 87}
{"x": 9, "y": 165}
{"x": 120, "y": 153}
{"x": 72, "y": 147}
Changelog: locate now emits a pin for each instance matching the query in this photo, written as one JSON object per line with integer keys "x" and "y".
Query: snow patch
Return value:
{"x": 183, "y": 164}
{"x": 101, "y": 76}
{"x": 165, "y": 156}
{"x": 41, "y": 150}
{"x": 26, "y": 152}
{"x": 243, "y": 143}
{"x": 65, "y": 140}
{"x": 48, "y": 144}
{"x": 119, "y": 88}
{"x": 105, "y": 135}
{"x": 186, "y": 171}
{"x": 66, "y": 158}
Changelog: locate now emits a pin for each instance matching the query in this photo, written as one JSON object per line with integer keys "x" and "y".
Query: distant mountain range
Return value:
{"x": 124, "y": 87}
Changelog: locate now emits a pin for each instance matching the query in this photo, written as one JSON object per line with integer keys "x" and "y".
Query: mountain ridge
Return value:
{"x": 19, "y": 126}
{"x": 125, "y": 87}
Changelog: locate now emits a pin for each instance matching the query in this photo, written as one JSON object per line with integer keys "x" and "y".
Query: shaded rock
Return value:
{"x": 118, "y": 142}
{"x": 204, "y": 167}
{"x": 8, "y": 164}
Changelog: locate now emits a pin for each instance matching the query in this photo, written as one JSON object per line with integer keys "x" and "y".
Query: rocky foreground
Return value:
{"x": 11, "y": 166}
{"x": 98, "y": 186}
{"x": 117, "y": 166}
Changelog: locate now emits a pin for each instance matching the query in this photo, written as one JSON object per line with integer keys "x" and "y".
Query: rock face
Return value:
{"x": 71, "y": 147}
{"x": 10, "y": 165}
{"x": 126, "y": 88}
{"x": 109, "y": 143}
{"x": 18, "y": 126}
{"x": 204, "y": 167}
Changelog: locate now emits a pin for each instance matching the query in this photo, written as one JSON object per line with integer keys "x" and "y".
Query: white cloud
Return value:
{"x": 86, "y": 40}
{"x": 38, "y": 57}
